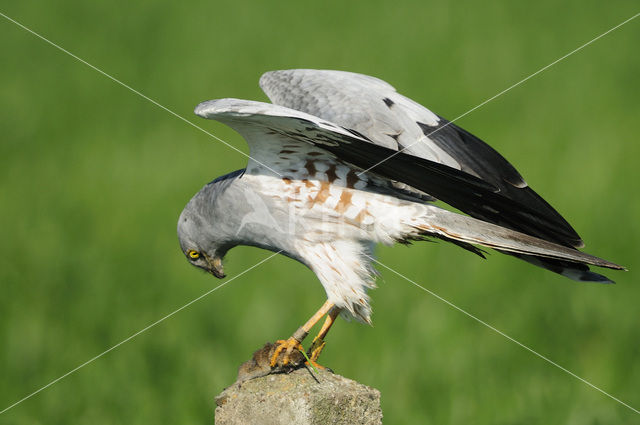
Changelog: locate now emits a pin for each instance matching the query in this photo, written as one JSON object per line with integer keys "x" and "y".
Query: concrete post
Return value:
{"x": 301, "y": 397}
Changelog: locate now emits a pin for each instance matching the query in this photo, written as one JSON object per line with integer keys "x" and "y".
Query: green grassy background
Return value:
{"x": 93, "y": 178}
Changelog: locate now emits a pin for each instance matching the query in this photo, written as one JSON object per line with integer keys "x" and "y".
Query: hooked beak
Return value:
{"x": 215, "y": 267}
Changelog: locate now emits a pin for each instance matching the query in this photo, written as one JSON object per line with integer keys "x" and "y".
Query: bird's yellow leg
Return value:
{"x": 318, "y": 342}
{"x": 294, "y": 342}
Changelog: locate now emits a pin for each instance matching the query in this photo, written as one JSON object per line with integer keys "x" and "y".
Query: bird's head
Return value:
{"x": 198, "y": 245}
{"x": 205, "y": 235}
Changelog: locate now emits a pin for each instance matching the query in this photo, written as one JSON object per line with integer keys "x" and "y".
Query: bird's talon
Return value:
{"x": 287, "y": 346}
{"x": 316, "y": 348}
{"x": 315, "y": 365}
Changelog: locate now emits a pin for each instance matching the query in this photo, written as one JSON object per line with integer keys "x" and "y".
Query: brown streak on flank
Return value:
{"x": 314, "y": 153}
{"x": 296, "y": 190}
{"x": 307, "y": 183}
{"x": 335, "y": 270}
{"x": 354, "y": 291}
{"x": 352, "y": 178}
{"x": 323, "y": 193}
{"x": 284, "y": 151}
{"x": 361, "y": 215}
{"x": 311, "y": 167}
{"x": 331, "y": 173}
{"x": 344, "y": 202}
{"x": 286, "y": 180}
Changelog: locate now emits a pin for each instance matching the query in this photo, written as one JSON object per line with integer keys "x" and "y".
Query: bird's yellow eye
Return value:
{"x": 194, "y": 255}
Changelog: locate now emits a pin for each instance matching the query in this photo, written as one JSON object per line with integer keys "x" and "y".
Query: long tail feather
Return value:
{"x": 567, "y": 261}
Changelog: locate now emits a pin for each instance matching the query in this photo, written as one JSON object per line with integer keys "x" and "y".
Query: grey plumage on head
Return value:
{"x": 199, "y": 228}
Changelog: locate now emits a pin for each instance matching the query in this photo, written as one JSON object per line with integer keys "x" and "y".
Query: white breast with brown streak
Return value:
{"x": 316, "y": 186}
{"x": 338, "y": 218}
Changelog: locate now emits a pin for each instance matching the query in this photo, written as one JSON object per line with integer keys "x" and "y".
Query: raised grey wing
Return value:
{"x": 262, "y": 123}
{"x": 258, "y": 122}
{"x": 374, "y": 109}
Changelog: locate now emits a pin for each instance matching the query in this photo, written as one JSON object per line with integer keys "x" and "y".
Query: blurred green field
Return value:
{"x": 93, "y": 178}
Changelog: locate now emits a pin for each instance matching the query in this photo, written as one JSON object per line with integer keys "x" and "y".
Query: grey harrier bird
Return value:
{"x": 340, "y": 162}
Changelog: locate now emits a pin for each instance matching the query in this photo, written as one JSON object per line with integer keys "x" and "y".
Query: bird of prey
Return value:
{"x": 340, "y": 162}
